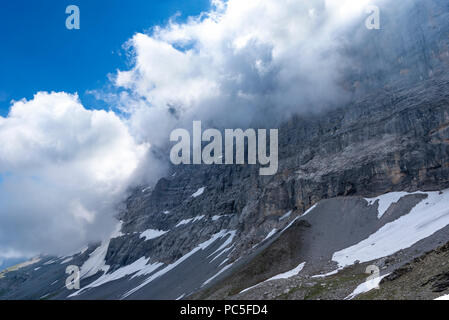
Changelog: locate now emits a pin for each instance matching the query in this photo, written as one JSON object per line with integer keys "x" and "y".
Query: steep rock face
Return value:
{"x": 394, "y": 141}
{"x": 393, "y": 138}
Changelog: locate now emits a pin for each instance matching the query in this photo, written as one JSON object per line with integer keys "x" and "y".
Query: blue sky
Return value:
{"x": 38, "y": 53}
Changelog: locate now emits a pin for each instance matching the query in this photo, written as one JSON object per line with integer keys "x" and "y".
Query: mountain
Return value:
{"x": 362, "y": 186}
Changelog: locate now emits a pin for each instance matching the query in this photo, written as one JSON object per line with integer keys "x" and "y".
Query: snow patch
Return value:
{"x": 199, "y": 192}
{"x": 310, "y": 210}
{"x": 290, "y": 273}
{"x": 187, "y": 221}
{"x": 183, "y": 222}
{"x": 130, "y": 269}
{"x": 67, "y": 260}
{"x": 217, "y": 274}
{"x": 284, "y": 275}
{"x": 269, "y": 235}
{"x": 286, "y": 216}
{"x": 96, "y": 261}
{"x": 228, "y": 241}
{"x": 326, "y": 274}
{"x": 170, "y": 267}
{"x": 181, "y": 296}
{"x": 385, "y": 201}
{"x": 152, "y": 234}
{"x": 366, "y": 286}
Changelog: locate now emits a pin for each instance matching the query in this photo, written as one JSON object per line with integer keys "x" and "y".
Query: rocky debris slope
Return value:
{"x": 383, "y": 233}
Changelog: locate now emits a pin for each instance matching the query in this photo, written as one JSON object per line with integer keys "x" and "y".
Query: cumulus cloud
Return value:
{"x": 241, "y": 63}
{"x": 63, "y": 170}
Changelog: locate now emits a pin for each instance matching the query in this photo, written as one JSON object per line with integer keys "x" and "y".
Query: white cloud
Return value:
{"x": 242, "y": 61}
{"x": 63, "y": 169}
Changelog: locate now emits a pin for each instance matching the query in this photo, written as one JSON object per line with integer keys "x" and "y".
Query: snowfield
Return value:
{"x": 426, "y": 218}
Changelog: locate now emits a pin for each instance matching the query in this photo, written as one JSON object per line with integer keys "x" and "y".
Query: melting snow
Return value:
{"x": 426, "y": 218}
{"x": 366, "y": 286}
{"x": 226, "y": 243}
{"x": 446, "y": 297}
{"x": 187, "y": 221}
{"x": 284, "y": 275}
{"x": 294, "y": 220}
{"x": 217, "y": 274}
{"x": 96, "y": 261}
{"x": 183, "y": 222}
{"x": 386, "y": 200}
{"x": 146, "y": 189}
{"x": 326, "y": 274}
{"x": 199, "y": 192}
{"x": 286, "y": 216}
{"x": 152, "y": 234}
{"x": 181, "y": 296}
{"x": 130, "y": 269}
{"x": 67, "y": 260}
{"x": 290, "y": 273}
{"x": 310, "y": 210}
{"x": 170, "y": 267}
{"x": 223, "y": 262}
{"x": 272, "y": 232}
